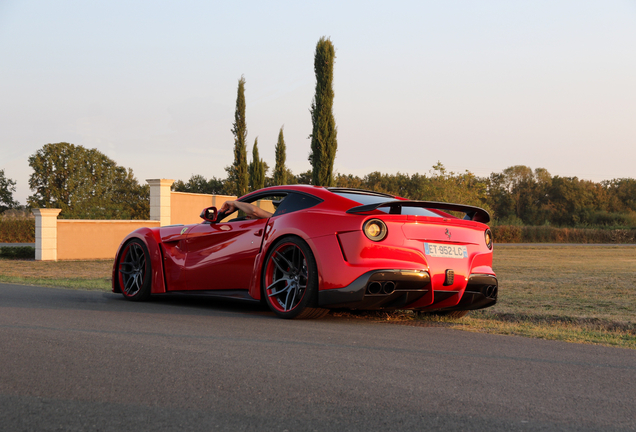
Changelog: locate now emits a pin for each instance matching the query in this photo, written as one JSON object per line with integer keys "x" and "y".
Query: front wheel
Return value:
{"x": 290, "y": 280}
{"x": 134, "y": 271}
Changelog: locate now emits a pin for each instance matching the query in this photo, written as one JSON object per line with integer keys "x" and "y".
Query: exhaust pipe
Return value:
{"x": 374, "y": 288}
{"x": 389, "y": 287}
{"x": 491, "y": 291}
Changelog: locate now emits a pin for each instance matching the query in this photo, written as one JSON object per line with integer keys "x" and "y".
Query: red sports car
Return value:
{"x": 318, "y": 249}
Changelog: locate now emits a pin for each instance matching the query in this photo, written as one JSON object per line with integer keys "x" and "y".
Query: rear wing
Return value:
{"x": 476, "y": 214}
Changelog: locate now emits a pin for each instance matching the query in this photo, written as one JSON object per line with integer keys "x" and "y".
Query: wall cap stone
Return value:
{"x": 46, "y": 212}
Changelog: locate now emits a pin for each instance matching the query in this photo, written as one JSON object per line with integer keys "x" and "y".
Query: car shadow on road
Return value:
{"x": 38, "y": 297}
{"x": 179, "y": 304}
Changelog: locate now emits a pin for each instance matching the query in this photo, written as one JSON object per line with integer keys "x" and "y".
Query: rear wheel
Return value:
{"x": 134, "y": 271}
{"x": 290, "y": 280}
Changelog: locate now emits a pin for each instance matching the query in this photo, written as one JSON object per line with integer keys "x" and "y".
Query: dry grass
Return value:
{"x": 567, "y": 281}
{"x": 70, "y": 274}
{"x": 600, "y": 332}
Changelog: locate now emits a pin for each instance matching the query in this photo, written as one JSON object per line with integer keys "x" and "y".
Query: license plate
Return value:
{"x": 445, "y": 251}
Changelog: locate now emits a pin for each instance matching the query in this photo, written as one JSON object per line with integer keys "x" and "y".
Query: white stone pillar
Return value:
{"x": 46, "y": 234}
{"x": 160, "y": 200}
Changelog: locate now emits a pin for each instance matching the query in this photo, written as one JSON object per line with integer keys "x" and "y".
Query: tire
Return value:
{"x": 290, "y": 280}
{"x": 134, "y": 271}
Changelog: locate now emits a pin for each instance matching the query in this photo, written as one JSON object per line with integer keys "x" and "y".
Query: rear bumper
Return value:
{"x": 408, "y": 287}
{"x": 379, "y": 289}
{"x": 481, "y": 292}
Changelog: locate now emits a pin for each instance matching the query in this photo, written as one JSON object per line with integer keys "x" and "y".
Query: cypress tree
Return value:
{"x": 280, "y": 172}
{"x": 257, "y": 169}
{"x": 323, "y": 136}
{"x": 238, "y": 171}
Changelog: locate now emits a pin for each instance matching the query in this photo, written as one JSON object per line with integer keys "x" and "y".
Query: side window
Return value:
{"x": 277, "y": 205}
{"x": 268, "y": 204}
{"x": 294, "y": 202}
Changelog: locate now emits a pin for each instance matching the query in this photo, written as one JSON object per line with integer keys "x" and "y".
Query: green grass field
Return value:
{"x": 584, "y": 294}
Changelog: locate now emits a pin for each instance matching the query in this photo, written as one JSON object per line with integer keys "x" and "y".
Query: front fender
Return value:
{"x": 150, "y": 238}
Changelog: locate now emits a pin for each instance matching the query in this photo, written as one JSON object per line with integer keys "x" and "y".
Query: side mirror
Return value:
{"x": 209, "y": 214}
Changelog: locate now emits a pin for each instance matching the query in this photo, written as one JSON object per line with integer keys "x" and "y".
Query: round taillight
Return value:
{"x": 488, "y": 237}
{"x": 375, "y": 229}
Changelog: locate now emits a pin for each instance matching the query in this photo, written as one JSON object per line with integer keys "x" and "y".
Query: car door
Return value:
{"x": 220, "y": 256}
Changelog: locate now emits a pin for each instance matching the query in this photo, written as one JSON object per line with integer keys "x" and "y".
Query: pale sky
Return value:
{"x": 476, "y": 85}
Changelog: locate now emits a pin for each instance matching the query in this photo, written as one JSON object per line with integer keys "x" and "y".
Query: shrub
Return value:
{"x": 507, "y": 233}
{"x": 17, "y": 252}
{"x": 548, "y": 234}
{"x": 17, "y": 230}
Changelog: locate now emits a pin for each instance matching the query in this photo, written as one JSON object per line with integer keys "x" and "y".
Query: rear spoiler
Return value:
{"x": 476, "y": 214}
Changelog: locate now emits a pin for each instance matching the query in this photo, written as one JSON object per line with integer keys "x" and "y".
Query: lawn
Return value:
{"x": 573, "y": 293}
{"x": 576, "y": 281}
{"x": 90, "y": 275}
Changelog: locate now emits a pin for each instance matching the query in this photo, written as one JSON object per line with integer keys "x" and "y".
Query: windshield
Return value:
{"x": 366, "y": 198}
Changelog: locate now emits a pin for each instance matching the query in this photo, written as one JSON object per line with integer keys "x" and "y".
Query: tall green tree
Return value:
{"x": 257, "y": 169}
{"x": 238, "y": 171}
{"x": 7, "y": 188}
{"x": 85, "y": 184}
{"x": 323, "y": 135}
{"x": 280, "y": 171}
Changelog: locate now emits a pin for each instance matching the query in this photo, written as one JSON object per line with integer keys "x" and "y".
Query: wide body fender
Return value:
{"x": 150, "y": 238}
{"x": 304, "y": 225}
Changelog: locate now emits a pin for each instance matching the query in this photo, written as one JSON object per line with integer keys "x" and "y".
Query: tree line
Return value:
{"x": 517, "y": 195}
{"x": 86, "y": 184}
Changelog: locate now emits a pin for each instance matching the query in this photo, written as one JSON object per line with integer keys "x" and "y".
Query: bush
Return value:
{"x": 606, "y": 219}
{"x": 538, "y": 234}
{"x": 547, "y": 234}
{"x": 17, "y": 230}
{"x": 507, "y": 234}
{"x": 17, "y": 252}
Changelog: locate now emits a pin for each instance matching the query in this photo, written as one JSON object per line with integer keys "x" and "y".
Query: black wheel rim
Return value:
{"x": 286, "y": 277}
{"x": 132, "y": 269}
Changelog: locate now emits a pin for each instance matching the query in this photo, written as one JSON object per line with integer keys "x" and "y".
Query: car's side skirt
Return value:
{"x": 242, "y": 295}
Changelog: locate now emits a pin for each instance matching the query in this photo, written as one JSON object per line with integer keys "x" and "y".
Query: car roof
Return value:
{"x": 319, "y": 191}
{"x": 331, "y": 197}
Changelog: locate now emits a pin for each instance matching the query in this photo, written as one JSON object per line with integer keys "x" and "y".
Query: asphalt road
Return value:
{"x": 79, "y": 360}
